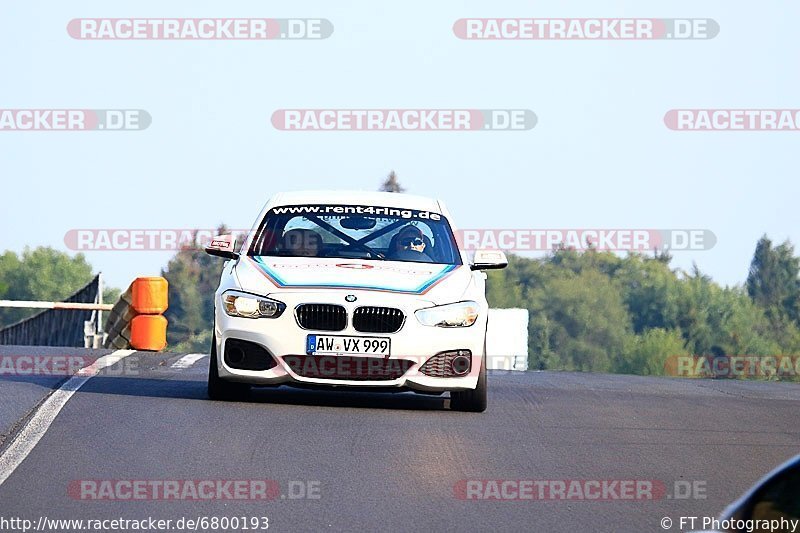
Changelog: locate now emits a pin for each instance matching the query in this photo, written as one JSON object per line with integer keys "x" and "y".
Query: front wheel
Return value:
{"x": 474, "y": 400}
{"x": 218, "y": 388}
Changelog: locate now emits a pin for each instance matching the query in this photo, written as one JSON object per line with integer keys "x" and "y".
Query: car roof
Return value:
{"x": 378, "y": 199}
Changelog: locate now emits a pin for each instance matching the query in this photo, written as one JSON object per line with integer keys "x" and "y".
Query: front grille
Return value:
{"x": 441, "y": 365}
{"x": 347, "y": 367}
{"x": 378, "y": 319}
{"x": 325, "y": 317}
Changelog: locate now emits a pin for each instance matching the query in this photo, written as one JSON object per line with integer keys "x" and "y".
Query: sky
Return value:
{"x": 600, "y": 155}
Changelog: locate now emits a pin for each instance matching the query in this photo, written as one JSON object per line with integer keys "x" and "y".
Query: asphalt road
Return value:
{"x": 382, "y": 462}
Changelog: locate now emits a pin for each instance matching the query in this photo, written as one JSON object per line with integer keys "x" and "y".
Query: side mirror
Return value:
{"x": 773, "y": 501}
{"x": 222, "y": 246}
{"x": 776, "y": 497}
{"x": 488, "y": 260}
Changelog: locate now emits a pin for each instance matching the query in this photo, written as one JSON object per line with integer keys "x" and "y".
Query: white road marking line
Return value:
{"x": 188, "y": 360}
{"x": 37, "y": 426}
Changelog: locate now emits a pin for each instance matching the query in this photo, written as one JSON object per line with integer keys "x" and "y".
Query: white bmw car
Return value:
{"x": 351, "y": 289}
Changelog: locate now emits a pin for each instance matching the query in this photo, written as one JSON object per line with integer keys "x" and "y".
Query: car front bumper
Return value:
{"x": 411, "y": 347}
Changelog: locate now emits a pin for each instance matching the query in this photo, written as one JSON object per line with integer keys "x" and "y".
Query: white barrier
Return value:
{"x": 507, "y": 339}
{"x": 30, "y": 304}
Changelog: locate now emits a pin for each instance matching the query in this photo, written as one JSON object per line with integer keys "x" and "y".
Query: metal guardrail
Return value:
{"x": 75, "y": 322}
{"x": 55, "y": 305}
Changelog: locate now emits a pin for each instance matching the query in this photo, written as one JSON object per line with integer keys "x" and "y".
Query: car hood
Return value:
{"x": 437, "y": 283}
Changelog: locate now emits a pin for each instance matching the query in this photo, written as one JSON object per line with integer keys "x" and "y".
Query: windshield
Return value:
{"x": 356, "y": 232}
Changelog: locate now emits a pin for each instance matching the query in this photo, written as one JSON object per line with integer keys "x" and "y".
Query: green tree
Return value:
{"x": 773, "y": 281}
{"x": 745, "y": 328}
{"x": 697, "y": 315}
{"x": 193, "y": 276}
{"x": 502, "y": 290}
{"x": 596, "y": 311}
{"x": 651, "y": 292}
{"x": 391, "y": 184}
{"x": 647, "y": 354}
{"x": 111, "y": 295}
{"x": 585, "y": 320}
{"x": 9, "y": 262}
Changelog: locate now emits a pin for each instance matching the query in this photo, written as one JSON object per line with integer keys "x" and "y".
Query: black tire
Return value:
{"x": 475, "y": 400}
{"x": 218, "y": 388}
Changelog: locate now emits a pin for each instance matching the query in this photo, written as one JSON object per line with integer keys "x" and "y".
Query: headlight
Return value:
{"x": 245, "y": 305}
{"x": 458, "y": 315}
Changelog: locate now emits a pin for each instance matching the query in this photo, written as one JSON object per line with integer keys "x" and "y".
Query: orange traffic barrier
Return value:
{"x": 149, "y": 332}
{"x": 149, "y": 295}
{"x": 136, "y": 319}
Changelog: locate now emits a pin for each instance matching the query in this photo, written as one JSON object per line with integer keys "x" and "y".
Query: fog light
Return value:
{"x": 461, "y": 364}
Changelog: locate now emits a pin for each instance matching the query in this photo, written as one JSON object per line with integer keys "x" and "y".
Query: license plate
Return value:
{"x": 341, "y": 345}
